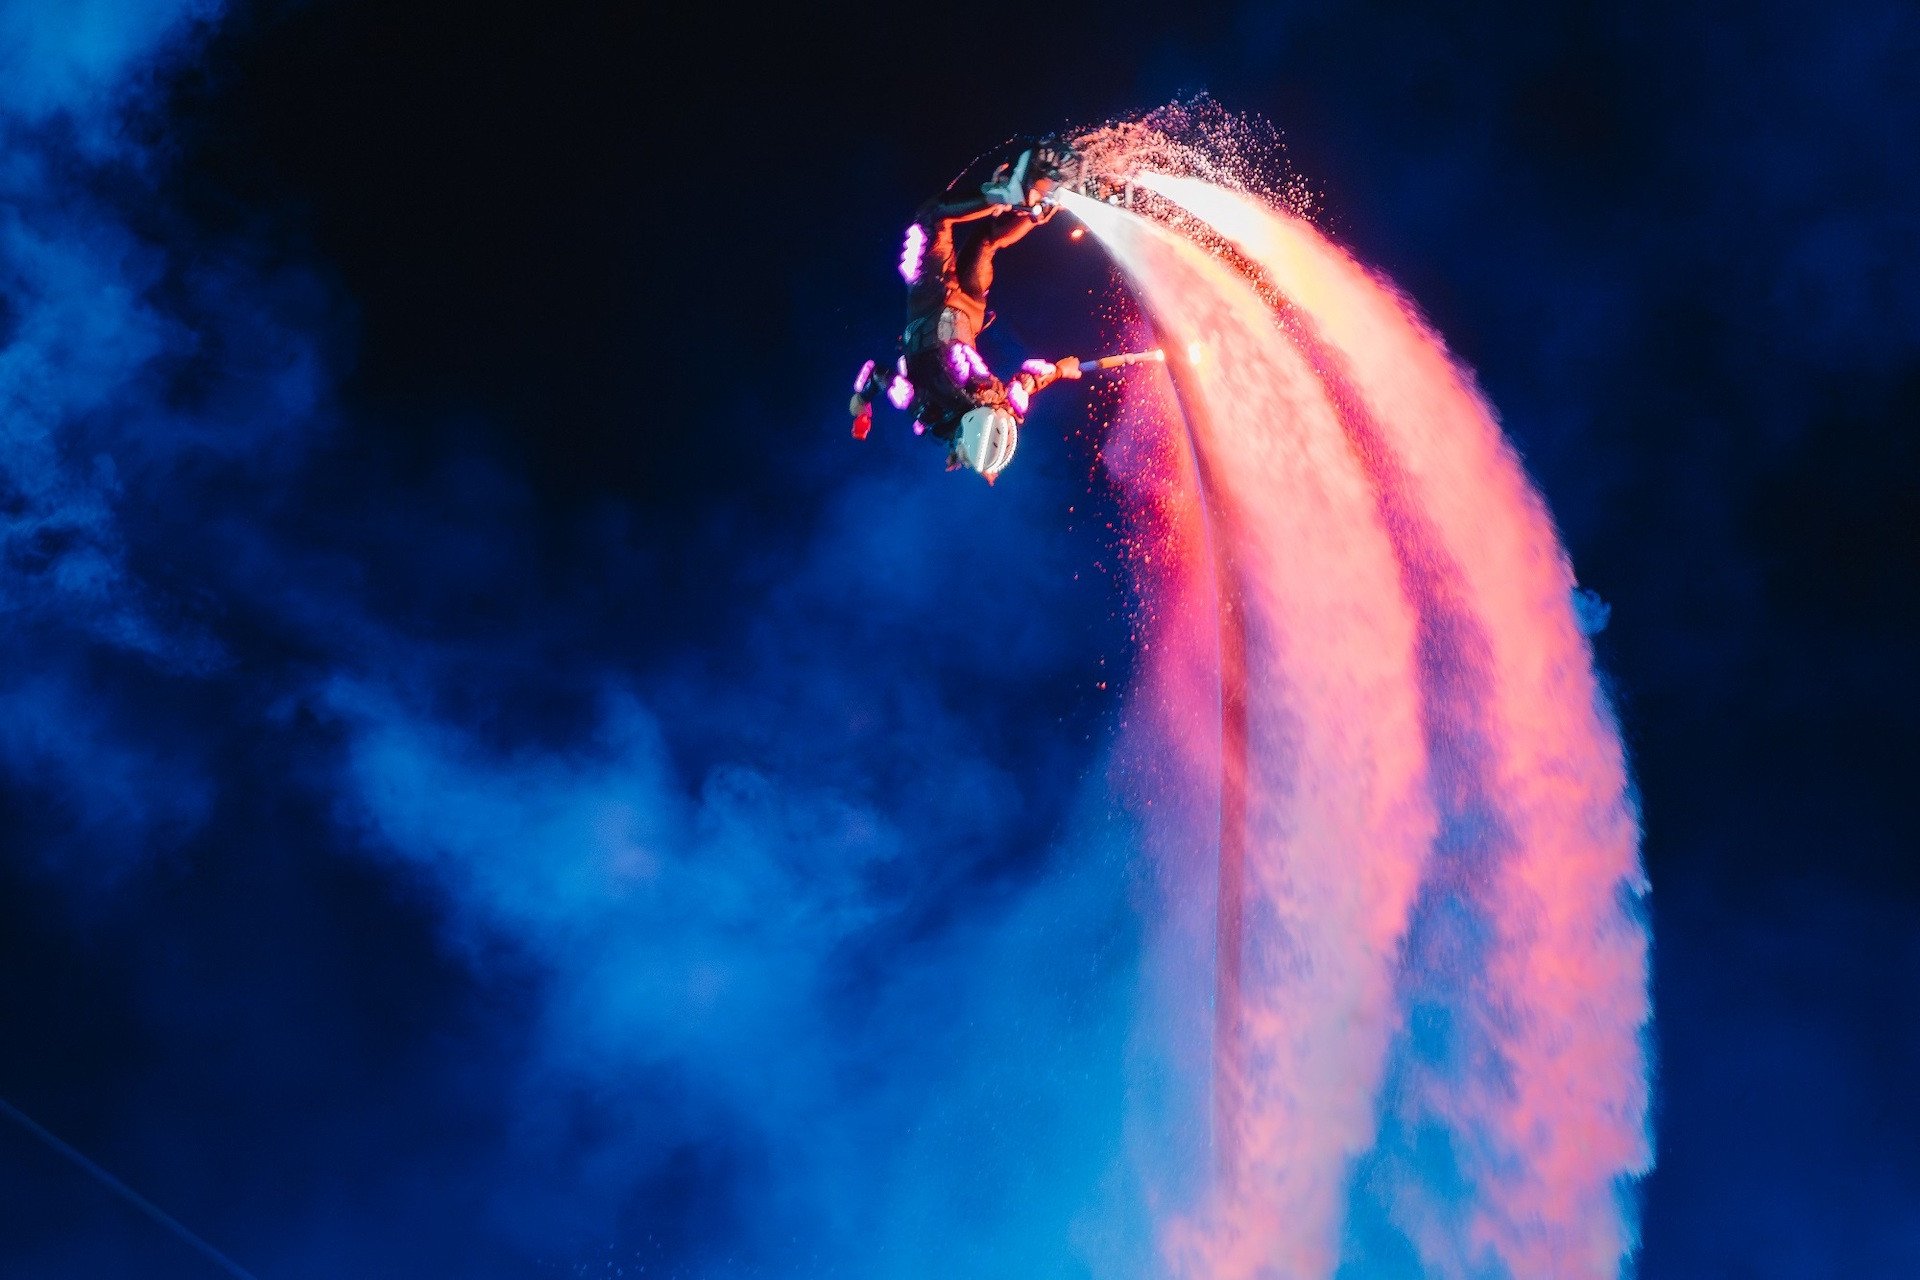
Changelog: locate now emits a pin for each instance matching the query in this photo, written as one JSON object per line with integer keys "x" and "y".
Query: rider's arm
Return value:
{"x": 962, "y": 209}
{"x": 1038, "y": 374}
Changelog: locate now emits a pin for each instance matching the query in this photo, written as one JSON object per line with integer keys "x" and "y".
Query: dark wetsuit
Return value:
{"x": 947, "y": 307}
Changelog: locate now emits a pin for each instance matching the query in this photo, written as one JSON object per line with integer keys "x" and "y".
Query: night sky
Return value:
{"x": 424, "y": 446}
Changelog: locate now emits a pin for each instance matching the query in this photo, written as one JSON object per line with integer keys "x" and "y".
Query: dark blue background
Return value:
{"x": 383, "y": 371}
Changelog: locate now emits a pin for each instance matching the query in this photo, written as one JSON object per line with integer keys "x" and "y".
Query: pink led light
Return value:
{"x": 1039, "y": 368}
{"x": 913, "y": 253}
{"x": 860, "y": 382}
{"x": 900, "y": 393}
{"x": 967, "y": 364}
{"x": 1017, "y": 396}
{"x": 958, "y": 362}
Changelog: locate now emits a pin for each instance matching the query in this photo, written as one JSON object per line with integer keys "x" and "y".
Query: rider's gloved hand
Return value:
{"x": 1068, "y": 367}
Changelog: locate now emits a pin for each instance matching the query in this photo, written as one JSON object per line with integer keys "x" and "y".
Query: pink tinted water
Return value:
{"x": 1431, "y": 984}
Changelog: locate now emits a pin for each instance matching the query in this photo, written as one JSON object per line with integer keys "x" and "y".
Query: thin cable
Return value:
{"x": 126, "y": 1192}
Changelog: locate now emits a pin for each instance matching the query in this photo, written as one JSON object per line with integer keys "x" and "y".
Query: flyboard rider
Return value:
{"x": 947, "y": 262}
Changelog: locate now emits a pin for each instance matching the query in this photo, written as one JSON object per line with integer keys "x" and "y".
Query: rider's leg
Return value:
{"x": 975, "y": 265}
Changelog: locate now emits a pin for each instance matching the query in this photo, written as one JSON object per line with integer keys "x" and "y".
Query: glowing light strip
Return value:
{"x": 913, "y": 253}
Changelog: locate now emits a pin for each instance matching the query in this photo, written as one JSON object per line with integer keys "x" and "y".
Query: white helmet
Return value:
{"x": 986, "y": 439}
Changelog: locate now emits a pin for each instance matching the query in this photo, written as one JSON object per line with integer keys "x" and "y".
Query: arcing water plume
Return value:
{"x": 1430, "y": 973}
{"x": 1332, "y": 763}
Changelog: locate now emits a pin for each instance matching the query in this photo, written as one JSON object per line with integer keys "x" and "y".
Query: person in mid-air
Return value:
{"x": 947, "y": 262}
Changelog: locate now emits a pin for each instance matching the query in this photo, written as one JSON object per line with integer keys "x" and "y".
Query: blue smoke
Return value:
{"x": 859, "y": 944}
{"x": 258, "y": 978}
{"x": 85, "y": 428}
{"x": 806, "y": 951}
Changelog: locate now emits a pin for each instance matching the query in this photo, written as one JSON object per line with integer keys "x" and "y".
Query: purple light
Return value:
{"x": 1039, "y": 368}
{"x": 912, "y": 253}
{"x": 967, "y": 364}
{"x": 900, "y": 393}
{"x": 860, "y": 383}
{"x": 1017, "y": 396}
